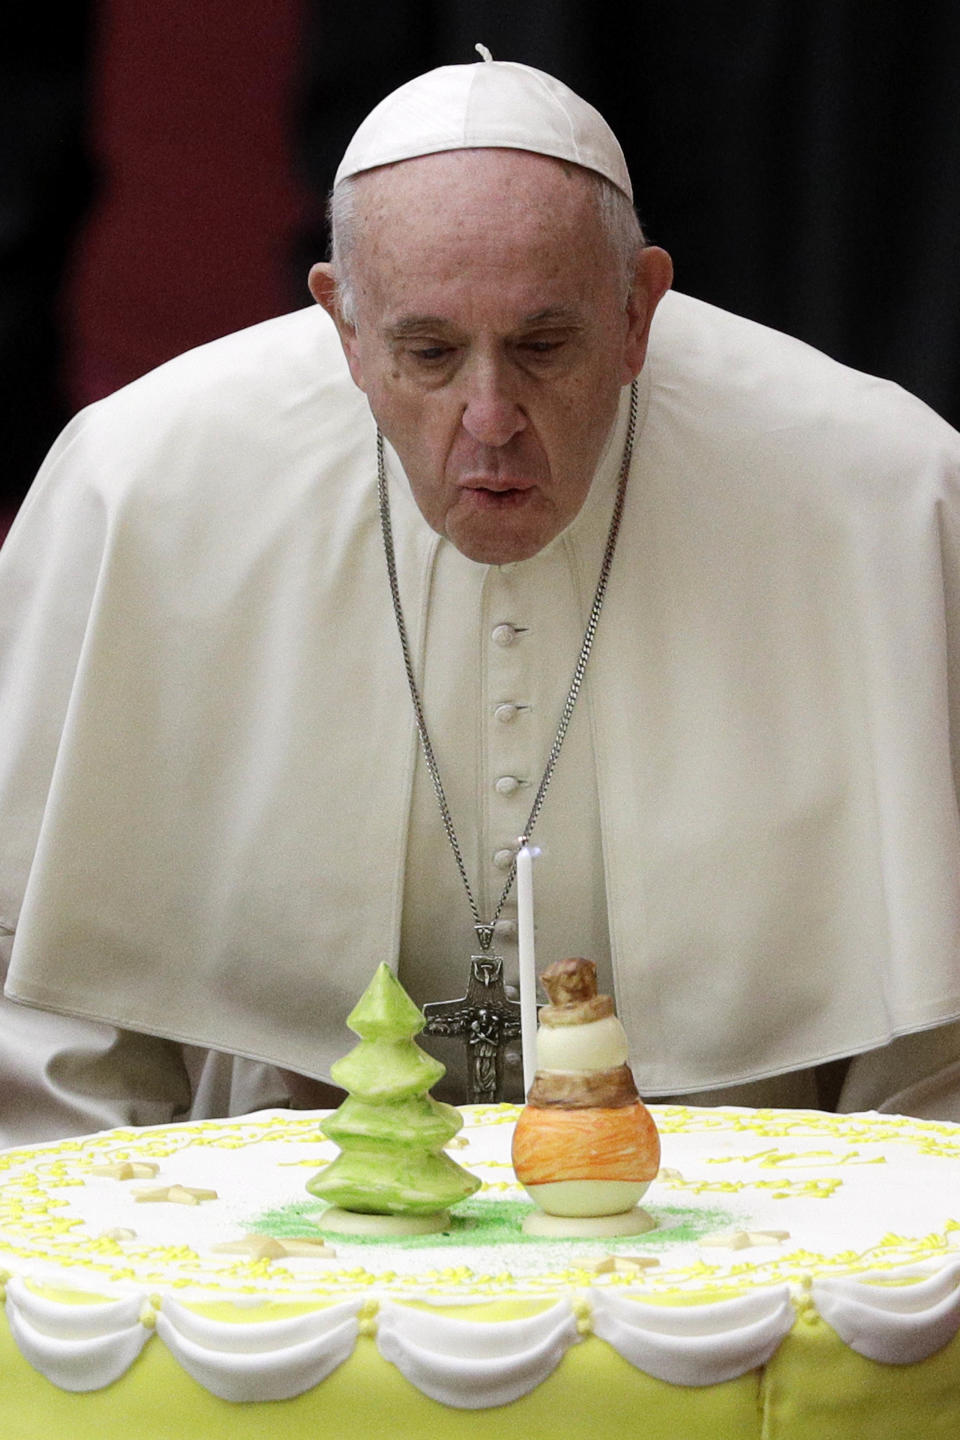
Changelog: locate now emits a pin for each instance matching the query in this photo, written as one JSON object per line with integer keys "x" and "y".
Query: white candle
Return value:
{"x": 528, "y": 971}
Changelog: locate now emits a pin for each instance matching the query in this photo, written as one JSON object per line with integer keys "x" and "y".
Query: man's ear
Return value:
{"x": 652, "y": 279}
{"x": 324, "y": 289}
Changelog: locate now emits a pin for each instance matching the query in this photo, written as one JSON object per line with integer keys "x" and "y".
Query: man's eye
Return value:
{"x": 430, "y": 354}
{"x": 542, "y": 347}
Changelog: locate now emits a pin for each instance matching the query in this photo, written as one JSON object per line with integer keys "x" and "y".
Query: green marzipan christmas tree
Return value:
{"x": 391, "y": 1132}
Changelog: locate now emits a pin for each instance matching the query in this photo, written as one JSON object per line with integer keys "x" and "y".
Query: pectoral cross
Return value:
{"x": 487, "y": 1019}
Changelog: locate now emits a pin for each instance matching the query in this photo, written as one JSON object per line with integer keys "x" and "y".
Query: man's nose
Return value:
{"x": 492, "y": 412}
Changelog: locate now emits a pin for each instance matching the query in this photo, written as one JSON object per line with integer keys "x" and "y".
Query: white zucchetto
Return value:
{"x": 495, "y": 104}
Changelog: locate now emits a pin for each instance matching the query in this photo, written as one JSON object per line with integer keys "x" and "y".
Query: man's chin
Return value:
{"x": 502, "y": 535}
{"x": 499, "y": 548}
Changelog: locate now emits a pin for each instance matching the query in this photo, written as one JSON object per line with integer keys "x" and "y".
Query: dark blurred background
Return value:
{"x": 163, "y": 168}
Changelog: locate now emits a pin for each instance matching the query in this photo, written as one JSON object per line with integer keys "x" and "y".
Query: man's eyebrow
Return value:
{"x": 554, "y": 315}
{"x": 407, "y": 325}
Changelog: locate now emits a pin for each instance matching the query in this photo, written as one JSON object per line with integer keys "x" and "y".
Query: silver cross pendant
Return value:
{"x": 487, "y": 1019}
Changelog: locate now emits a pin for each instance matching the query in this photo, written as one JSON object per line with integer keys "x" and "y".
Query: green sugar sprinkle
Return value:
{"x": 498, "y": 1222}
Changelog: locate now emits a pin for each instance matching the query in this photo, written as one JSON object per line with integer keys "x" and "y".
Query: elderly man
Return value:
{"x": 218, "y": 813}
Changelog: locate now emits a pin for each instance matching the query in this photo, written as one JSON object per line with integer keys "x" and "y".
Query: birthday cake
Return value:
{"x": 802, "y": 1279}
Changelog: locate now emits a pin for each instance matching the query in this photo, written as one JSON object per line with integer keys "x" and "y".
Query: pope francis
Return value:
{"x": 301, "y": 632}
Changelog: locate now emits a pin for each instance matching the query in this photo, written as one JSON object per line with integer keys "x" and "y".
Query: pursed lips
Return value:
{"x": 498, "y": 500}
{"x": 493, "y": 486}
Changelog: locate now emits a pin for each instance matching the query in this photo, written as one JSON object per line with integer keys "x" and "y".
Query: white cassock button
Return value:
{"x": 503, "y": 634}
{"x": 506, "y": 713}
{"x": 506, "y": 929}
{"x": 507, "y": 785}
{"x": 503, "y": 859}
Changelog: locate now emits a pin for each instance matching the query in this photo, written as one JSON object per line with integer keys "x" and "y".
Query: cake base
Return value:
{"x": 839, "y": 1317}
{"x": 583, "y": 1227}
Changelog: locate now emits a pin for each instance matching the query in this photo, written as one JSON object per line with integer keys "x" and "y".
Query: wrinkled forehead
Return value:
{"x": 519, "y": 229}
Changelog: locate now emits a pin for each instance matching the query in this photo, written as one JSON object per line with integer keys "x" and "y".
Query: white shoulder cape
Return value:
{"x": 207, "y": 744}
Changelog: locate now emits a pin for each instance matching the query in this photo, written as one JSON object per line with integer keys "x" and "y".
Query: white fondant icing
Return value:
{"x": 275, "y": 1360}
{"x": 597, "y": 1045}
{"x": 338, "y": 1221}
{"x": 896, "y": 1324}
{"x": 695, "y": 1344}
{"x": 626, "y": 1222}
{"x": 76, "y": 1346}
{"x": 470, "y": 1365}
{"x": 587, "y": 1197}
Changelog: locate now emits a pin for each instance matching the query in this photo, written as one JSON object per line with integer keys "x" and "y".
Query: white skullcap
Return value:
{"x": 492, "y": 103}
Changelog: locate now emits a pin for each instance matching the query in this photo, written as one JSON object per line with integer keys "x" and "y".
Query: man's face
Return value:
{"x": 492, "y": 339}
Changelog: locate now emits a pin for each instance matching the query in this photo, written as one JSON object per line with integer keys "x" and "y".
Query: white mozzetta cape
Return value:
{"x": 208, "y": 749}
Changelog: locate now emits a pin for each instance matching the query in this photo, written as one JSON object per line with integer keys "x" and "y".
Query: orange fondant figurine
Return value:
{"x": 585, "y": 1147}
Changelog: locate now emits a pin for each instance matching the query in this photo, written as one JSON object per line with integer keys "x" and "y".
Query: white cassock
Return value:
{"x": 215, "y": 822}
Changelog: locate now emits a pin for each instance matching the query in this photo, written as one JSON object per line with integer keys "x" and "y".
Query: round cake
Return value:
{"x": 802, "y": 1280}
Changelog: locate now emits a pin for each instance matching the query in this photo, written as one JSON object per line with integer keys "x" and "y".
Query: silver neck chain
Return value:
{"x": 485, "y": 931}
